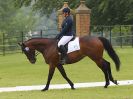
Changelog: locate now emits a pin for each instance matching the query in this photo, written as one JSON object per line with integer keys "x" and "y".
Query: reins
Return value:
{"x": 36, "y": 54}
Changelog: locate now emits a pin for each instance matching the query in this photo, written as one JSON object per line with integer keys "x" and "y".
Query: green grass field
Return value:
{"x": 15, "y": 70}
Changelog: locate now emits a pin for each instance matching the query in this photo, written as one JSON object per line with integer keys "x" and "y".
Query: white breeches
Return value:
{"x": 64, "y": 40}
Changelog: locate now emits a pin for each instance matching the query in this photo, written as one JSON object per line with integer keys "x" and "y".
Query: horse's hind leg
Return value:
{"x": 63, "y": 73}
{"x": 102, "y": 65}
{"x": 110, "y": 73}
{"x": 50, "y": 75}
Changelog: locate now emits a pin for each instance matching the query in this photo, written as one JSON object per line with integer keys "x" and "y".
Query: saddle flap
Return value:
{"x": 73, "y": 45}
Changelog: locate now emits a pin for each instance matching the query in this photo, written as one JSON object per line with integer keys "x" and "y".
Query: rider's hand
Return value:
{"x": 57, "y": 37}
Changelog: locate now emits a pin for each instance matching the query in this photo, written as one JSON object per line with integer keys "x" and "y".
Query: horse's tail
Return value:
{"x": 108, "y": 47}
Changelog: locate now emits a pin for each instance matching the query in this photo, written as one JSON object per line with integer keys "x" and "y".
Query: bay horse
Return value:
{"x": 92, "y": 47}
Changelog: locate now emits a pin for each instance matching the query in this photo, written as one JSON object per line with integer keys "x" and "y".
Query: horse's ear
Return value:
{"x": 21, "y": 44}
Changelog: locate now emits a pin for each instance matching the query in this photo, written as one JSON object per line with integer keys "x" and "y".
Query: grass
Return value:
{"x": 15, "y": 70}
{"x": 118, "y": 92}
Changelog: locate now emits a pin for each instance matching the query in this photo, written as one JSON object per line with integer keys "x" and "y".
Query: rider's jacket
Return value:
{"x": 67, "y": 27}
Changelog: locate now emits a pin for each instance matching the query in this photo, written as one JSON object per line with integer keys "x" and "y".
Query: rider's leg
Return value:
{"x": 63, "y": 51}
{"x": 64, "y": 40}
{"x": 61, "y": 43}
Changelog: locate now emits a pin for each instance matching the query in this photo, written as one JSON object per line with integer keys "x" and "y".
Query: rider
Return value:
{"x": 66, "y": 33}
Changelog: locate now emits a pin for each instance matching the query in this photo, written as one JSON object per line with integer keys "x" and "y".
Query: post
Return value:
{"x": 3, "y": 44}
{"x": 132, "y": 35}
{"x": 82, "y": 19}
{"x": 132, "y": 39}
{"x": 120, "y": 37}
{"x": 102, "y": 31}
{"x": 22, "y": 35}
{"x": 110, "y": 33}
{"x": 41, "y": 33}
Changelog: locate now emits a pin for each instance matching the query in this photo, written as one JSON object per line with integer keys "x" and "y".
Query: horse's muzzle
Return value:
{"x": 33, "y": 61}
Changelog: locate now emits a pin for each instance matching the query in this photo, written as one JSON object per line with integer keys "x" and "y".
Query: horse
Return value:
{"x": 92, "y": 47}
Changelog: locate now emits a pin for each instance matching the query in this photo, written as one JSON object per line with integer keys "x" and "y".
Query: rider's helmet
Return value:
{"x": 65, "y": 10}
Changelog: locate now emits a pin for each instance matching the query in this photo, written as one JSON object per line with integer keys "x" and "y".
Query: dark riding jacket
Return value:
{"x": 67, "y": 27}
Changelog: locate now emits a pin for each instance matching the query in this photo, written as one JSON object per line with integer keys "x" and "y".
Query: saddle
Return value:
{"x": 71, "y": 46}
{"x": 66, "y": 45}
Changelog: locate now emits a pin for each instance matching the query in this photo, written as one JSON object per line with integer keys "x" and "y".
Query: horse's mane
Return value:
{"x": 40, "y": 39}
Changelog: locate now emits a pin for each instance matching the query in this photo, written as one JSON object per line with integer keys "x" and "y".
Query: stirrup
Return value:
{"x": 63, "y": 59}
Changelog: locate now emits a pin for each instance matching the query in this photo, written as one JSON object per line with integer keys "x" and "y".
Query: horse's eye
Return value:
{"x": 27, "y": 48}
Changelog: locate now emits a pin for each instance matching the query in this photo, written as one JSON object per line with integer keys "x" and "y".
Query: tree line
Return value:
{"x": 17, "y": 14}
{"x": 104, "y": 12}
{"x": 25, "y": 15}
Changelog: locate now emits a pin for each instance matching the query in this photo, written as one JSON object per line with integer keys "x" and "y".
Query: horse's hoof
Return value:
{"x": 73, "y": 88}
{"x": 115, "y": 82}
{"x": 105, "y": 86}
{"x": 45, "y": 89}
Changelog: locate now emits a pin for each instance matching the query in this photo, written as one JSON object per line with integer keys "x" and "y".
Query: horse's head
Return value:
{"x": 29, "y": 51}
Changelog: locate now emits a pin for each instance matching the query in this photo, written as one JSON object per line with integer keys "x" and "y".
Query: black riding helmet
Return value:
{"x": 65, "y": 10}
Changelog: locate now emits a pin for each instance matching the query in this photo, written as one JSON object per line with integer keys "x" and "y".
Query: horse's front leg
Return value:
{"x": 50, "y": 75}
{"x": 63, "y": 73}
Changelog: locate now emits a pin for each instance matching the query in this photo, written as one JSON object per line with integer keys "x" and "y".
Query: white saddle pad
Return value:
{"x": 73, "y": 45}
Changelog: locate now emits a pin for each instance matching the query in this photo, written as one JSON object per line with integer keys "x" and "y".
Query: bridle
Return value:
{"x": 36, "y": 54}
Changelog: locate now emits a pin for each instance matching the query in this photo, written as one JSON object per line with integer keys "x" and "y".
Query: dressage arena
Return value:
{"x": 63, "y": 86}
{"x": 19, "y": 79}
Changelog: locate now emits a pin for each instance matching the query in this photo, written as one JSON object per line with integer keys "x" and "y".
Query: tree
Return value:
{"x": 12, "y": 19}
{"x": 24, "y": 20}
{"x": 45, "y": 6}
{"x": 7, "y": 12}
{"x": 111, "y": 12}
{"x": 104, "y": 12}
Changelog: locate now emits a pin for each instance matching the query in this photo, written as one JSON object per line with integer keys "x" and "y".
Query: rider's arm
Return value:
{"x": 66, "y": 28}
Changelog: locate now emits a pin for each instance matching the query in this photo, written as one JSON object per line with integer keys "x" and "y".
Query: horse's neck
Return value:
{"x": 40, "y": 41}
{"x": 41, "y": 44}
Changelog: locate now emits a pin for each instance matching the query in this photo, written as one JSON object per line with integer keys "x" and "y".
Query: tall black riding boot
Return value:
{"x": 63, "y": 54}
